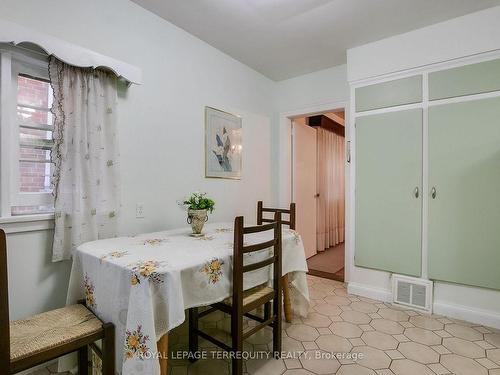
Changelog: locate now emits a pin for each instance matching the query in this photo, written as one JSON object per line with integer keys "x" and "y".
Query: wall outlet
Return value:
{"x": 139, "y": 210}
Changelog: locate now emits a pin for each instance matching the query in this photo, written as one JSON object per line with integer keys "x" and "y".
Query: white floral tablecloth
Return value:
{"x": 144, "y": 283}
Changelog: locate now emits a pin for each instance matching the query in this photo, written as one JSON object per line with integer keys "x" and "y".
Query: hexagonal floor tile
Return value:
{"x": 334, "y": 344}
{"x": 338, "y": 300}
{"x": 209, "y": 366}
{"x": 328, "y": 288}
{"x": 328, "y": 309}
{"x": 379, "y": 340}
{"x": 396, "y": 315}
{"x": 319, "y": 365}
{"x": 418, "y": 352}
{"x": 291, "y": 345}
{"x": 373, "y": 358}
{"x": 355, "y": 317}
{"x": 409, "y": 367}
{"x": 265, "y": 366}
{"x": 364, "y": 307}
{"x": 426, "y": 323}
{"x": 493, "y": 339}
{"x": 494, "y": 355}
{"x": 317, "y": 294}
{"x": 316, "y": 320}
{"x": 298, "y": 372}
{"x": 463, "y": 347}
{"x": 463, "y": 332}
{"x": 462, "y": 366}
{"x": 422, "y": 336}
{"x": 340, "y": 292}
{"x": 387, "y": 326}
{"x": 355, "y": 370}
{"x": 302, "y": 332}
{"x": 346, "y": 329}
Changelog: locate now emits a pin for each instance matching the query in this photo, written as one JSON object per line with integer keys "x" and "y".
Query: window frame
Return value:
{"x": 15, "y": 61}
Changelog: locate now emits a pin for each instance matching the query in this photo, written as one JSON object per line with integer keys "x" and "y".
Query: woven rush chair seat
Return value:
{"x": 253, "y": 294}
{"x": 51, "y": 329}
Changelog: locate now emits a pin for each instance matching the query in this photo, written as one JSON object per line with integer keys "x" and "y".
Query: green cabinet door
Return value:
{"x": 464, "y": 216}
{"x": 388, "y": 192}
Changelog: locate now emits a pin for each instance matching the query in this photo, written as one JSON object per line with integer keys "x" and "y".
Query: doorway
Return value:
{"x": 318, "y": 188}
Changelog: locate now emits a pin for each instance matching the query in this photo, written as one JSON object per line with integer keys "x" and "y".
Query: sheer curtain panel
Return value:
{"x": 330, "y": 183}
{"x": 85, "y": 155}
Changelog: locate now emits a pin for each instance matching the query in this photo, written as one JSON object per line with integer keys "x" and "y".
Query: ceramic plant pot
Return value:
{"x": 197, "y": 219}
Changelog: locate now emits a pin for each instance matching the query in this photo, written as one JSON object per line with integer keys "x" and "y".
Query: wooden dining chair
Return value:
{"x": 40, "y": 338}
{"x": 243, "y": 302}
{"x": 291, "y": 224}
{"x": 290, "y": 212}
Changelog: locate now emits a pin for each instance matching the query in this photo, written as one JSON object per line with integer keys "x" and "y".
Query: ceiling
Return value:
{"x": 286, "y": 38}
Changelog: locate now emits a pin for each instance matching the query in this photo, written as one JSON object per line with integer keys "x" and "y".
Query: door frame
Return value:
{"x": 286, "y": 165}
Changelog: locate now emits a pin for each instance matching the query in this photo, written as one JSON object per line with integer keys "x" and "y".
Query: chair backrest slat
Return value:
{"x": 259, "y": 228}
{"x": 290, "y": 211}
{"x": 257, "y": 265}
{"x": 259, "y": 246}
{"x": 4, "y": 306}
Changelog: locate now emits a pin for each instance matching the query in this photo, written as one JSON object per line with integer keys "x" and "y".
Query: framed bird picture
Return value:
{"x": 223, "y": 144}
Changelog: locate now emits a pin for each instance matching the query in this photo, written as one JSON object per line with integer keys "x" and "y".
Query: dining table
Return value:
{"x": 144, "y": 283}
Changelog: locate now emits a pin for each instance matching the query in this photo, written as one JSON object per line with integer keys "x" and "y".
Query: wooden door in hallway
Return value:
{"x": 304, "y": 183}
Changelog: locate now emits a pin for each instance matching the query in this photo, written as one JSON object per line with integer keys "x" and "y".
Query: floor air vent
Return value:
{"x": 412, "y": 292}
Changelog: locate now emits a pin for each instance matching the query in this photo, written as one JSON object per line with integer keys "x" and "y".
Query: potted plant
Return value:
{"x": 198, "y": 205}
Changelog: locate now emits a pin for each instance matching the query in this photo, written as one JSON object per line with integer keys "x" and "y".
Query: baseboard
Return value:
{"x": 484, "y": 317}
{"x": 367, "y": 291}
{"x": 487, "y": 318}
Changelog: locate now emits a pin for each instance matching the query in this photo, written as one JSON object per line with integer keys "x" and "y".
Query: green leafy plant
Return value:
{"x": 199, "y": 201}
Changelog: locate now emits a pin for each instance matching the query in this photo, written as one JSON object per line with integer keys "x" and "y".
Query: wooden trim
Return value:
{"x": 327, "y": 123}
{"x": 327, "y": 275}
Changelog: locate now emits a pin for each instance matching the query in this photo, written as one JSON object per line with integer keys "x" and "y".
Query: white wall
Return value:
{"x": 315, "y": 92}
{"x": 161, "y": 130}
{"x": 461, "y": 37}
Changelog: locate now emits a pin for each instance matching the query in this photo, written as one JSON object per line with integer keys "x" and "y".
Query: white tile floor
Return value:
{"x": 393, "y": 341}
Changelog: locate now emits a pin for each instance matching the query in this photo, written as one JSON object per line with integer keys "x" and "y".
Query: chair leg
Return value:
{"x": 277, "y": 306}
{"x": 108, "y": 350}
{"x": 237, "y": 343}
{"x": 267, "y": 310}
{"x": 193, "y": 336}
{"x": 83, "y": 360}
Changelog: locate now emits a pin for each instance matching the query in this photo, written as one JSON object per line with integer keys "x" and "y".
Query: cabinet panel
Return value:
{"x": 465, "y": 80}
{"x": 464, "y": 217}
{"x": 388, "y": 170}
{"x": 389, "y": 94}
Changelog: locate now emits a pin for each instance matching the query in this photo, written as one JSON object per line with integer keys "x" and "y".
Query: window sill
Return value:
{"x": 27, "y": 223}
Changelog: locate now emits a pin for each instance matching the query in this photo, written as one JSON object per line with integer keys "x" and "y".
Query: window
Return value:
{"x": 28, "y": 123}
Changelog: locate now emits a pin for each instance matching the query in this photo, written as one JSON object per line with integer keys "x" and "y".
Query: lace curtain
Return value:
{"x": 85, "y": 154}
{"x": 331, "y": 188}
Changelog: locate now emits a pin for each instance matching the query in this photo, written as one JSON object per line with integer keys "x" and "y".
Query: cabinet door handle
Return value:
{"x": 433, "y": 192}
{"x": 417, "y": 192}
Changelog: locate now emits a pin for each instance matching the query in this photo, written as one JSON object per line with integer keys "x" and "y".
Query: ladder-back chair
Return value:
{"x": 242, "y": 302}
{"x": 40, "y": 338}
